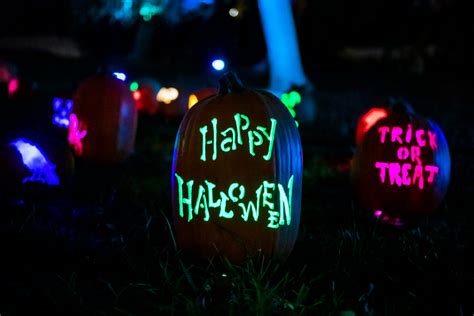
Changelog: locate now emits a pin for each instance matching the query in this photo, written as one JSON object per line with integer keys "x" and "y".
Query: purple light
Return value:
{"x": 378, "y": 213}
{"x": 42, "y": 169}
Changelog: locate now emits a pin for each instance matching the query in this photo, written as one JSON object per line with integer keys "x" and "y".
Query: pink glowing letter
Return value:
{"x": 394, "y": 173}
{"x": 419, "y": 138}
{"x": 396, "y": 132}
{"x": 383, "y": 166}
{"x": 403, "y": 153}
{"x": 383, "y": 131}
{"x": 432, "y": 170}
{"x": 419, "y": 174}
{"x": 415, "y": 154}
{"x": 432, "y": 138}
{"x": 405, "y": 177}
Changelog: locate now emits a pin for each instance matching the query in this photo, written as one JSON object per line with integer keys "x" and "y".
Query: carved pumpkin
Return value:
{"x": 103, "y": 124}
{"x": 31, "y": 163}
{"x": 401, "y": 167}
{"x": 237, "y": 175}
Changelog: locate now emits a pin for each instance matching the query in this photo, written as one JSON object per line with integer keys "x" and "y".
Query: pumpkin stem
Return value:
{"x": 230, "y": 83}
{"x": 400, "y": 106}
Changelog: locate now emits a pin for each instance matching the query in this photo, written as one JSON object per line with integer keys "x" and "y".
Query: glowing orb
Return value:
{"x": 167, "y": 95}
{"x": 134, "y": 86}
{"x": 120, "y": 76}
{"x": 233, "y": 12}
{"x": 218, "y": 64}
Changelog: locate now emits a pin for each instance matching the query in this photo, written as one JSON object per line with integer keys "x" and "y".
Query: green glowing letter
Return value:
{"x": 182, "y": 200}
{"x": 285, "y": 202}
{"x": 271, "y": 138}
{"x": 232, "y": 188}
{"x": 201, "y": 195}
{"x": 203, "y": 131}
{"x": 210, "y": 193}
{"x": 253, "y": 143}
{"x": 214, "y": 143}
{"x": 223, "y": 212}
{"x": 273, "y": 219}
{"x": 237, "y": 118}
{"x": 267, "y": 196}
{"x": 255, "y": 207}
{"x": 230, "y": 139}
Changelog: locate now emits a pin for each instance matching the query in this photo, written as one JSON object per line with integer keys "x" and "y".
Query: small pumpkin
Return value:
{"x": 103, "y": 124}
{"x": 31, "y": 163}
{"x": 237, "y": 175}
{"x": 402, "y": 165}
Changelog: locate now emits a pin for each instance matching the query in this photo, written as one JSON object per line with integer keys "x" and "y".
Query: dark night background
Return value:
{"x": 104, "y": 246}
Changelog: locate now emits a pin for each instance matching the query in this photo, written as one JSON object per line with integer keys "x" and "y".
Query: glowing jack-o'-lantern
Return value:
{"x": 237, "y": 175}
{"x": 103, "y": 124}
{"x": 401, "y": 167}
{"x": 32, "y": 163}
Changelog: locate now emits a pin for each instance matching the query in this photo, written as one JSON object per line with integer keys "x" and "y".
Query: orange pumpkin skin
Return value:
{"x": 401, "y": 183}
{"x": 233, "y": 237}
{"x": 203, "y": 93}
{"x": 107, "y": 113}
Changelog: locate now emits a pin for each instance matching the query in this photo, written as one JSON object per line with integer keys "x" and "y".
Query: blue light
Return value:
{"x": 42, "y": 169}
{"x": 120, "y": 76}
{"x": 218, "y": 64}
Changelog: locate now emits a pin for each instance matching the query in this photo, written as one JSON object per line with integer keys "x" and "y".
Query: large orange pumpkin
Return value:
{"x": 103, "y": 124}
{"x": 401, "y": 167}
{"x": 237, "y": 175}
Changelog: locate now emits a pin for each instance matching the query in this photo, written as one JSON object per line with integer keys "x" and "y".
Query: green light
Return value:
{"x": 290, "y": 100}
{"x": 134, "y": 86}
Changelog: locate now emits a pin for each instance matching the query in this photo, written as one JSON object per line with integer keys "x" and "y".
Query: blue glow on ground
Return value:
{"x": 42, "y": 169}
{"x": 218, "y": 64}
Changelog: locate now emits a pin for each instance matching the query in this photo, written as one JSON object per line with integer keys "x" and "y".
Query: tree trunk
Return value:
{"x": 282, "y": 45}
{"x": 286, "y": 69}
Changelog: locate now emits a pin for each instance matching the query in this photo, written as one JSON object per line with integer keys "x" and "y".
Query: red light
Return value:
{"x": 368, "y": 120}
{"x": 137, "y": 95}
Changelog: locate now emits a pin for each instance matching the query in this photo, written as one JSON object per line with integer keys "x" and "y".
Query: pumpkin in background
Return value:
{"x": 32, "y": 163}
{"x": 237, "y": 175}
{"x": 145, "y": 95}
{"x": 171, "y": 103}
{"x": 200, "y": 94}
{"x": 103, "y": 124}
{"x": 402, "y": 165}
